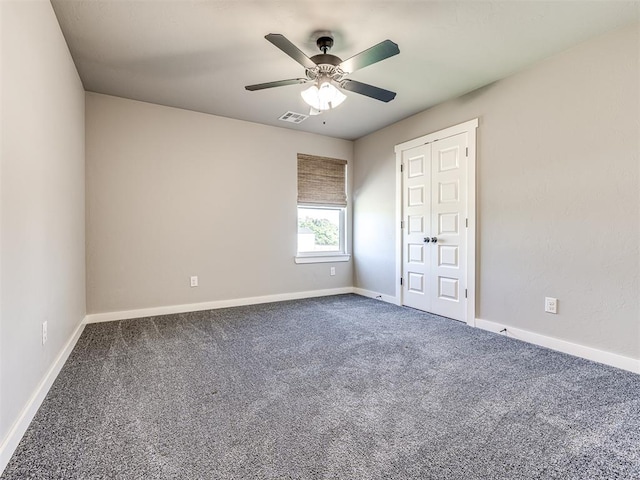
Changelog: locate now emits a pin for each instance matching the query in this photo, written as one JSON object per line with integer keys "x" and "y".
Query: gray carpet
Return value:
{"x": 339, "y": 387}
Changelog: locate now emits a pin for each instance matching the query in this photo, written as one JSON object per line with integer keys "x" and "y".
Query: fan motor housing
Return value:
{"x": 327, "y": 64}
{"x": 326, "y": 59}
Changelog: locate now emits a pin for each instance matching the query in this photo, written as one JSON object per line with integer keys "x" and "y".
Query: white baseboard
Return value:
{"x": 590, "y": 353}
{"x": 376, "y": 295}
{"x": 195, "y": 307}
{"x": 11, "y": 441}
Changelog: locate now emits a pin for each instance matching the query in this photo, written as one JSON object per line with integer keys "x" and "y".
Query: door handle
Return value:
{"x": 427, "y": 239}
{"x": 434, "y": 239}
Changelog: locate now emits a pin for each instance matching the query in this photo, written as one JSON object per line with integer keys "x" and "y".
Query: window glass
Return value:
{"x": 320, "y": 229}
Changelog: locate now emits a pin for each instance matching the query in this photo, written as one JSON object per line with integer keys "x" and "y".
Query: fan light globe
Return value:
{"x": 324, "y": 97}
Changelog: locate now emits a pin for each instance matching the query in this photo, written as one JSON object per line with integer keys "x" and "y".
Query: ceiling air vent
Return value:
{"x": 293, "y": 117}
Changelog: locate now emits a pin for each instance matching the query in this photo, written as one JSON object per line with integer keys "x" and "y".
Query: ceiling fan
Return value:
{"x": 326, "y": 71}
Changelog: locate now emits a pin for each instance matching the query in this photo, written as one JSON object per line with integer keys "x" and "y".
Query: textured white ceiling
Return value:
{"x": 199, "y": 55}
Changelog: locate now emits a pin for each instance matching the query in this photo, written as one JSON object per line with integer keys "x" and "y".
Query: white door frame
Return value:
{"x": 470, "y": 129}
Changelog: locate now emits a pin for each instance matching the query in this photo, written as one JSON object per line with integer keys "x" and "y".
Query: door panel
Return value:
{"x": 448, "y": 192}
{"x": 449, "y": 223}
{"x": 416, "y": 206}
{"x": 416, "y": 283}
{"x": 448, "y": 211}
{"x": 416, "y": 196}
{"x": 448, "y": 256}
{"x": 416, "y": 254}
{"x": 415, "y": 223}
{"x": 448, "y": 288}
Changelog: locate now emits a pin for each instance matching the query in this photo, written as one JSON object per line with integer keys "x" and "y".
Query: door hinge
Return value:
{"x": 465, "y": 293}
{"x": 466, "y": 151}
{"x": 400, "y": 280}
{"x": 466, "y": 222}
{"x": 401, "y": 167}
{"x": 401, "y": 223}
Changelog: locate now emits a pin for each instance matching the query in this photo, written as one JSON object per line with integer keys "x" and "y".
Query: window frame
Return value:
{"x": 339, "y": 255}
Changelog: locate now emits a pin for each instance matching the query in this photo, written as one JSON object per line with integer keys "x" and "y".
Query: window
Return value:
{"x": 320, "y": 229}
{"x": 322, "y": 202}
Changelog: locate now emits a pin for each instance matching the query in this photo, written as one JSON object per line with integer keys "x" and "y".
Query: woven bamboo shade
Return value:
{"x": 321, "y": 181}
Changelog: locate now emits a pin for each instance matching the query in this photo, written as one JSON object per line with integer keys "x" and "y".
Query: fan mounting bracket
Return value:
{"x": 324, "y": 43}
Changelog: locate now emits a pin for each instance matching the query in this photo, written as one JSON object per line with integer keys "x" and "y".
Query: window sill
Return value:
{"x": 337, "y": 257}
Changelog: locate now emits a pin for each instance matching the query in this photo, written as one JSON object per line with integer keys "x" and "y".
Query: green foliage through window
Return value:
{"x": 326, "y": 233}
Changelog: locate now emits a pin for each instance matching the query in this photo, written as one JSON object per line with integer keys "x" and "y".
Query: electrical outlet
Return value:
{"x": 550, "y": 305}
{"x": 332, "y": 272}
{"x": 44, "y": 332}
{"x": 194, "y": 281}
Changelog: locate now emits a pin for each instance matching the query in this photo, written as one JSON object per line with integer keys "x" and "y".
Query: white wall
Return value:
{"x": 558, "y": 183}
{"x": 173, "y": 193}
{"x": 41, "y": 201}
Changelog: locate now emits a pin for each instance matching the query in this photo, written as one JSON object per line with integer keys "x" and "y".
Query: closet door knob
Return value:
{"x": 426, "y": 239}
{"x": 434, "y": 239}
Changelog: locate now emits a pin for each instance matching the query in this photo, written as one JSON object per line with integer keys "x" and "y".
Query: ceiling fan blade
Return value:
{"x": 374, "y": 54}
{"x": 279, "y": 83}
{"x": 368, "y": 90}
{"x": 290, "y": 49}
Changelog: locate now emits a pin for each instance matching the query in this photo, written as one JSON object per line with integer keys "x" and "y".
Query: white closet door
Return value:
{"x": 434, "y": 236}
